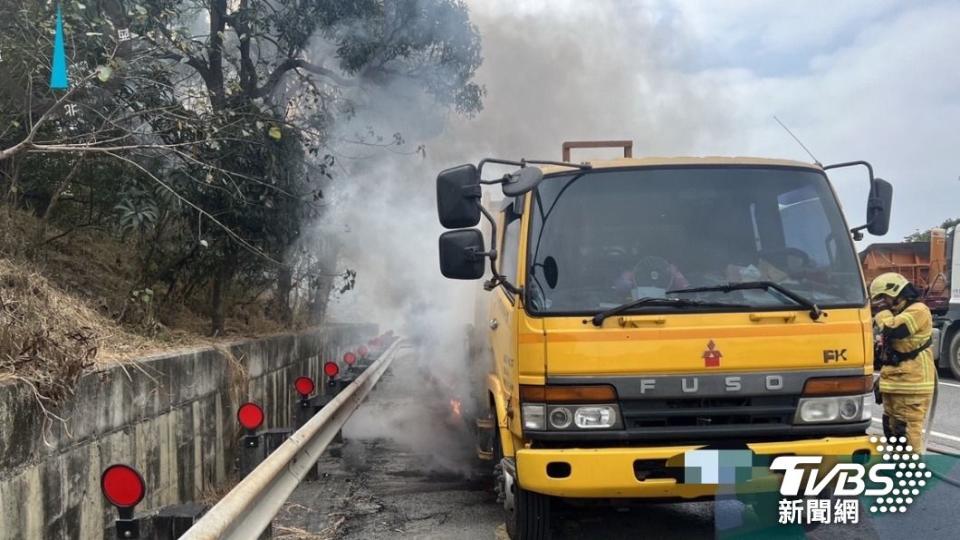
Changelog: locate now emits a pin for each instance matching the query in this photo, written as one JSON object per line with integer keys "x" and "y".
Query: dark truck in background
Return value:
{"x": 934, "y": 267}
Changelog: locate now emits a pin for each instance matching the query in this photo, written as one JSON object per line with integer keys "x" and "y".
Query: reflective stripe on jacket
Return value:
{"x": 907, "y": 331}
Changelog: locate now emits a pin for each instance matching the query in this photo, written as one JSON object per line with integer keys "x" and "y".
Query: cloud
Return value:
{"x": 857, "y": 80}
{"x": 887, "y": 96}
{"x": 878, "y": 86}
{"x": 775, "y": 36}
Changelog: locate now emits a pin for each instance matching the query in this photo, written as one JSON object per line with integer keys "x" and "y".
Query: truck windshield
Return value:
{"x": 609, "y": 237}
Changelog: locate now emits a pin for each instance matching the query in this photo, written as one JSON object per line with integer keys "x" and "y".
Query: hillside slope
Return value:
{"x": 66, "y": 307}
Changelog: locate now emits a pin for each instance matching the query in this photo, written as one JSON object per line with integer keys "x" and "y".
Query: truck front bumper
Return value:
{"x": 611, "y": 472}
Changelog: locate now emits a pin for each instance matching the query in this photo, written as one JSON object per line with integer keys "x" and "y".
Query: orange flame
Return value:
{"x": 455, "y": 407}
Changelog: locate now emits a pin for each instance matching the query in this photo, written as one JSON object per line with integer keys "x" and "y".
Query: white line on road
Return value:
{"x": 955, "y": 385}
{"x": 934, "y": 433}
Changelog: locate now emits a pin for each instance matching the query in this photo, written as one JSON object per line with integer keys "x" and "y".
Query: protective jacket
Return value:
{"x": 909, "y": 333}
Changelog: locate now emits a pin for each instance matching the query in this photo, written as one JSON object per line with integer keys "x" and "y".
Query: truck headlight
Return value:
{"x": 831, "y": 409}
{"x": 534, "y": 416}
{"x": 569, "y": 407}
{"x": 543, "y": 417}
{"x": 595, "y": 417}
{"x": 560, "y": 418}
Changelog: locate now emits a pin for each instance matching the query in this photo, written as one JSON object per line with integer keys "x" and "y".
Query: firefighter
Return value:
{"x": 904, "y": 326}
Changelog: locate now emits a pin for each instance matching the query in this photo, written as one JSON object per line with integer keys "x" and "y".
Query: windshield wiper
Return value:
{"x": 665, "y": 302}
{"x": 815, "y": 311}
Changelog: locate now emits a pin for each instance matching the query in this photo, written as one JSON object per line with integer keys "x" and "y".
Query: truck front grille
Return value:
{"x": 707, "y": 412}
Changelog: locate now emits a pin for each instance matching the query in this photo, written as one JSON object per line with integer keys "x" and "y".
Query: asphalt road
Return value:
{"x": 406, "y": 470}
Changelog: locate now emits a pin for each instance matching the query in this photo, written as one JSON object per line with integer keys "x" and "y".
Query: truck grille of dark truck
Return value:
{"x": 707, "y": 412}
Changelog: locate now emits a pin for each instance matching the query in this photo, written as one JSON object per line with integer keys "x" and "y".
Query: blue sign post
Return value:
{"x": 58, "y": 72}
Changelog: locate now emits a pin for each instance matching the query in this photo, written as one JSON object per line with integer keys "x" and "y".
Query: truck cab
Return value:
{"x": 640, "y": 309}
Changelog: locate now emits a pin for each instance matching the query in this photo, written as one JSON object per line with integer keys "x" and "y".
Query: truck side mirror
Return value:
{"x": 458, "y": 197}
{"x": 462, "y": 254}
{"x": 522, "y": 181}
{"x": 878, "y": 207}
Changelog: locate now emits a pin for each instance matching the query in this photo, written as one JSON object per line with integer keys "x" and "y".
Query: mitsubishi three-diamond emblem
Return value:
{"x": 711, "y": 356}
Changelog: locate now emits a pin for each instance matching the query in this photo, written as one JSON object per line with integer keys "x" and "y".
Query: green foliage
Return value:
{"x": 137, "y": 212}
{"x": 924, "y": 236}
{"x": 432, "y": 41}
{"x": 144, "y": 296}
{"x": 205, "y": 135}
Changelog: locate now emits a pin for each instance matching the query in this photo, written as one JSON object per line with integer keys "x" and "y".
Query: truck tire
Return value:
{"x": 530, "y": 518}
{"x": 954, "y": 359}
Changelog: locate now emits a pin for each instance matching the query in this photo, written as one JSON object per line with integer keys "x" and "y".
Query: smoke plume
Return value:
{"x": 553, "y": 71}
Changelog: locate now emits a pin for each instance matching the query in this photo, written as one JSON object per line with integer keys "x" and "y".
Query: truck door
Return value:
{"x": 504, "y": 305}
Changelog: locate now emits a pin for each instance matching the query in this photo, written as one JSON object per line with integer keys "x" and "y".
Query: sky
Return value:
{"x": 854, "y": 80}
{"x": 873, "y": 80}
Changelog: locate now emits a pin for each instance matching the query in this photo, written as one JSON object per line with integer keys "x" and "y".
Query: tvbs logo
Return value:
{"x": 893, "y": 483}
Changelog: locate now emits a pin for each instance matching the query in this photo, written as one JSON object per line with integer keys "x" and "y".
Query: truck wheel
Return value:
{"x": 955, "y": 354}
{"x": 530, "y": 517}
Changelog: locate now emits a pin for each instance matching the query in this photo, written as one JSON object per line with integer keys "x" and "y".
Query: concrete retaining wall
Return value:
{"x": 172, "y": 417}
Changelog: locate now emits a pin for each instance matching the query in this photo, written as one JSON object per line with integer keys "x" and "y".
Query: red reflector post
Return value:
{"x": 350, "y": 358}
{"x": 331, "y": 369}
{"x": 122, "y": 486}
{"x": 250, "y": 416}
{"x": 304, "y": 386}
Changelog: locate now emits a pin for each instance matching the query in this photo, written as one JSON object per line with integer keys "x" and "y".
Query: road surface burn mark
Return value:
{"x": 405, "y": 469}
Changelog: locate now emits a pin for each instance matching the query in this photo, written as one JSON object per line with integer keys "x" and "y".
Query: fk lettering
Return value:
{"x": 834, "y": 355}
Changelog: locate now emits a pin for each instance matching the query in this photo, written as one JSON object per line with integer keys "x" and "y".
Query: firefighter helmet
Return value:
{"x": 890, "y": 284}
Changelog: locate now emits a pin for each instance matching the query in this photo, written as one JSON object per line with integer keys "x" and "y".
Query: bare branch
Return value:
{"x": 297, "y": 63}
{"x": 27, "y": 142}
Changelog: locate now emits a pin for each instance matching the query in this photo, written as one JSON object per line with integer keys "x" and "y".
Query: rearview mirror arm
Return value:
{"x": 523, "y": 163}
{"x": 857, "y": 232}
{"x": 498, "y": 278}
{"x": 484, "y": 161}
{"x": 852, "y": 164}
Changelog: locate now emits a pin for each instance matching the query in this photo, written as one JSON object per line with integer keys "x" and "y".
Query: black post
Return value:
{"x": 172, "y": 522}
{"x": 126, "y": 525}
{"x": 251, "y": 453}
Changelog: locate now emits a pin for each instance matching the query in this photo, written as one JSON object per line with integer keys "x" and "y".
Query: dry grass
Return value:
{"x": 50, "y": 338}
{"x": 295, "y": 533}
{"x": 84, "y": 263}
{"x": 60, "y": 304}
{"x": 212, "y": 495}
{"x": 330, "y": 532}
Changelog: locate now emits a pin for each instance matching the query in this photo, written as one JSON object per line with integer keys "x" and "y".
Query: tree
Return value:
{"x": 924, "y": 236}
{"x": 214, "y": 115}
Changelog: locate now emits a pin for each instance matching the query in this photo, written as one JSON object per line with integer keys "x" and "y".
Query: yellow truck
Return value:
{"x": 643, "y": 308}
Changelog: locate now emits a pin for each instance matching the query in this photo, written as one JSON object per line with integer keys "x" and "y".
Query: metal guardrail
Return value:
{"x": 247, "y": 510}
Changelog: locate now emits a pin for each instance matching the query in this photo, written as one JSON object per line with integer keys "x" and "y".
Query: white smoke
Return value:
{"x": 553, "y": 71}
